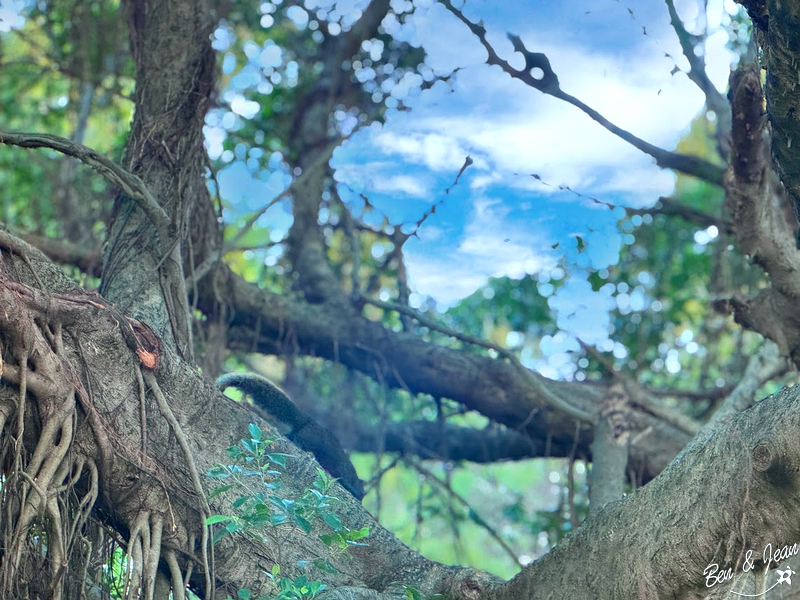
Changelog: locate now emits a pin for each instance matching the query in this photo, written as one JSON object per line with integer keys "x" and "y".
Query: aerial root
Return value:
{"x": 50, "y": 485}
{"x": 183, "y": 442}
{"x": 178, "y": 584}
{"x": 144, "y": 552}
{"x": 38, "y": 481}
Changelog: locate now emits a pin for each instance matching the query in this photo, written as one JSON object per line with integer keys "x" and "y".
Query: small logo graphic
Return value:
{"x": 786, "y": 575}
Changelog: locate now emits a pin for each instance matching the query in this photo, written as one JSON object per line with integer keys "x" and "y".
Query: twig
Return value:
{"x": 697, "y": 74}
{"x": 495, "y": 536}
{"x": 766, "y": 364}
{"x": 638, "y": 394}
{"x": 666, "y": 205}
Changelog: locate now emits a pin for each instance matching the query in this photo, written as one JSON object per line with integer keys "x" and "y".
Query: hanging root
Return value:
{"x": 59, "y": 456}
{"x": 183, "y": 442}
{"x": 40, "y": 470}
{"x": 144, "y": 552}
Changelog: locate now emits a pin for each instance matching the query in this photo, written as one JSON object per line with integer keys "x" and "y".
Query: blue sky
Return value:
{"x": 499, "y": 220}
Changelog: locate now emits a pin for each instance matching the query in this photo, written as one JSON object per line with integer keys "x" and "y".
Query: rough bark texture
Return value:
{"x": 731, "y": 490}
{"x": 145, "y": 479}
{"x": 171, "y": 46}
{"x": 783, "y": 91}
{"x": 764, "y": 209}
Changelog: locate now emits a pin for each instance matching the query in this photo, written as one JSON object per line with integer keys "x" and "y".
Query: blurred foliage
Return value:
{"x": 272, "y": 56}
{"x": 66, "y": 72}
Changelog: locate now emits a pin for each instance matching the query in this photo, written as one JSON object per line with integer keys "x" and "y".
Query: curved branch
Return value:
{"x": 553, "y": 399}
{"x": 129, "y": 183}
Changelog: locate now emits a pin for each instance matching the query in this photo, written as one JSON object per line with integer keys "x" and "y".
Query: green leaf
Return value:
{"x": 220, "y": 490}
{"x": 234, "y": 526}
{"x": 358, "y": 534}
{"x": 413, "y": 594}
{"x": 315, "y": 587}
{"x": 244, "y": 594}
{"x": 278, "y": 458}
{"x": 282, "y": 503}
{"x": 334, "y": 538}
{"x": 218, "y": 473}
{"x": 323, "y": 481}
{"x": 325, "y": 566}
{"x": 278, "y": 519}
{"x": 303, "y": 524}
{"x": 214, "y": 519}
{"x": 255, "y": 432}
{"x": 240, "y": 500}
{"x": 332, "y": 521}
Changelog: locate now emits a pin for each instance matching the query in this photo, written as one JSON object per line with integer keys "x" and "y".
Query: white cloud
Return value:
{"x": 532, "y": 133}
{"x": 430, "y": 233}
{"x": 447, "y": 279}
{"x": 382, "y": 176}
{"x": 438, "y": 152}
{"x": 492, "y": 245}
{"x": 518, "y": 129}
{"x": 405, "y": 184}
{"x": 484, "y": 180}
{"x": 448, "y": 44}
{"x": 508, "y": 128}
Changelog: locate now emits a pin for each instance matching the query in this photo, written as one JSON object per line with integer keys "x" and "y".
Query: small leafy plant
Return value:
{"x": 414, "y": 594}
{"x": 252, "y": 457}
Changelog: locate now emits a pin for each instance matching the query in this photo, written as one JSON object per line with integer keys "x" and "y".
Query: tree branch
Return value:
{"x": 781, "y": 44}
{"x": 766, "y": 364}
{"x": 424, "y": 440}
{"x": 88, "y": 260}
{"x": 495, "y": 388}
{"x": 129, "y": 183}
{"x": 554, "y": 400}
{"x": 765, "y": 224}
{"x": 548, "y": 84}
{"x": 697, "y": 74}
